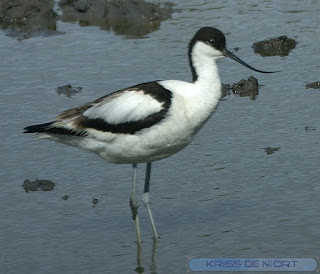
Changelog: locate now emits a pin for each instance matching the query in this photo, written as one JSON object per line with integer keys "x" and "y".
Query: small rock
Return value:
{"x": 276, "y": 46}
{"x": 94, "y": 202}
{"x": 246, "y": 87}
{"x": 44, "y": 185}
{"x": 225, "y": 90}
{"x": 30, "y": 186}
{"x": 308, "y": 128}
{"x": 225, "y": 87}
{"x": 315, "y": 85}
{"x": 65, "y": 197}
{"x": 271, "y": 150}
{"x": 68, "y": 90}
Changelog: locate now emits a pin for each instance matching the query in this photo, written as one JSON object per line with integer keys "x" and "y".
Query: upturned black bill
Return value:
{"x": 232, "y": 56}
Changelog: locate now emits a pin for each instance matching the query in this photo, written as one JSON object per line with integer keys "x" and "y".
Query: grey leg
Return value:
{"x": 134, "y": 205}
{"x": 146, "y": 201}
{"x": 153, "y": 266}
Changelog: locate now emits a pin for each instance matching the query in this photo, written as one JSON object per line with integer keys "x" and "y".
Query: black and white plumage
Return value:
{"x": 123, "y": 112}
{"x": 149, "y": 121}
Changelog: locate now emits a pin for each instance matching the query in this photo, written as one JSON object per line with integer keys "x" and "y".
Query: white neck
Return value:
{"x": 205, "y": 71}
{"x": 206, "y": 88}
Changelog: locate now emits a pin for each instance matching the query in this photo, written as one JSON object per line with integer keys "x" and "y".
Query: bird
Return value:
{"x": 150, "y": 121}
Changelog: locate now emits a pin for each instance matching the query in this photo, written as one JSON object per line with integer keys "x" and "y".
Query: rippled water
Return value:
{"x": 221, "y": 196}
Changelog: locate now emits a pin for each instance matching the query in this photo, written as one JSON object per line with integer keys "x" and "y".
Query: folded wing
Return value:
{"x": 123, "y": 112}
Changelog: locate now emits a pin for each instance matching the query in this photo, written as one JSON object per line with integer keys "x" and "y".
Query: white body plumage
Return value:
{"x": 191, "y": 105}
{"x": 149, "y": 121}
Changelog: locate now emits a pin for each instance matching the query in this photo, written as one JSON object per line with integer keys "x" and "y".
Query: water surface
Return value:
{"x": 221, "y": 196}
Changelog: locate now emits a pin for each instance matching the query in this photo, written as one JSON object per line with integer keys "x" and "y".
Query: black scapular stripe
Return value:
{"x": 153, "y": 89}
{"x": 123, "y": 128}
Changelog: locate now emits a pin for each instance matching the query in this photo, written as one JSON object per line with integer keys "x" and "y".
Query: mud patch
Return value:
{"x": 309, "y": 128}
{"x": 280, "y": 46}
{"x": 246, "y": 88}
{"x": 315, "y": 85}
{"x": 43, "y": 185}
{"x": 243, "y": 88}
{"x": 271, "y": 150}
{"x": 131, "y": 18}
{"x": 225, "y": 90}
{"x": 65, "y": 197}
{"x": 68, "y": 90}
{"x": 23, "y": 19}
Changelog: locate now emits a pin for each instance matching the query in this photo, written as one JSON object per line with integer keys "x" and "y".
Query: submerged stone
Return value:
{"x": 65, "y": 197}
{"x": 271, "y": 150}
{"x": 315, "y": 85}
{"x": 68, "y": 90}
{"x": 94, "y": 202}
{"x": 43, "y": 185}
{"x": 246, "y": 87}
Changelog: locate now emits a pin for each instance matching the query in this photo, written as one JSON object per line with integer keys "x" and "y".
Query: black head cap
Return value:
{"x": 210, "y": 36}
{"x": 216, "y": 39}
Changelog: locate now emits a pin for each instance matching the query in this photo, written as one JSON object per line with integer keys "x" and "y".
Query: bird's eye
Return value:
{"x": 211, "y": 41}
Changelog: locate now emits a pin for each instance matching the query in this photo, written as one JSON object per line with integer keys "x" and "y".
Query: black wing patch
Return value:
{"x": 81, "y": 123}
{"x": 153, "y": 89}
{"x": 51, "y": 128}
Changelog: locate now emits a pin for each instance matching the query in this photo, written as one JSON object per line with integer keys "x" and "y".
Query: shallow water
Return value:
{"x": 221, "y": 196}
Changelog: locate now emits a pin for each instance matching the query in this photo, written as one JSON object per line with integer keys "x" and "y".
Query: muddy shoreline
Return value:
{"x": 132, "y": 18}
